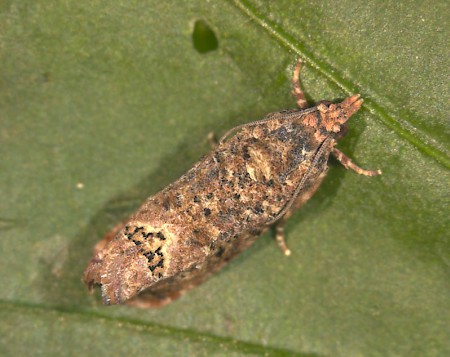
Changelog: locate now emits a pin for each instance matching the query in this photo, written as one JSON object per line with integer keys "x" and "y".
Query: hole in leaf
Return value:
{"x": 204, "y": 38}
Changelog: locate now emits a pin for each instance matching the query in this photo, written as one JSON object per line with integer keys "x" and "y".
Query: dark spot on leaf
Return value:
{"x": 204, "y": 38}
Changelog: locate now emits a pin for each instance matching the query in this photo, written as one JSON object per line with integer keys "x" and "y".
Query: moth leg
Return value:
{"x": 212, "y": 140}
{"x": 349, "y": 164}
{"x": 279, "y": 235}
{"x": 298, "y": 92}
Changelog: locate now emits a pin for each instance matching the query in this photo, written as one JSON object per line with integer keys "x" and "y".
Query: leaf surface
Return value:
{"x": 103, "y": 104}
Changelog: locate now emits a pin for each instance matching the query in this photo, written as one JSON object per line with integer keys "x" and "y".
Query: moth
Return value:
{"x": 256, "y": 177}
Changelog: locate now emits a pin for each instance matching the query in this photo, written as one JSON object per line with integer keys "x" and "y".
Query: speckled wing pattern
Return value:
{"x": 259, "y": 176}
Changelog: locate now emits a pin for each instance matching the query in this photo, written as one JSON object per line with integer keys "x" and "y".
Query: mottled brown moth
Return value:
{"x": 256, "y": 177}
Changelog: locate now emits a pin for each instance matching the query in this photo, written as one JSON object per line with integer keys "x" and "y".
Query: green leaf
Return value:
{"x": 104, "y": 103}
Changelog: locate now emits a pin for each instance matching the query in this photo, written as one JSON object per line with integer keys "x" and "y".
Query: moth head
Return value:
{"x": 335, "y": 115}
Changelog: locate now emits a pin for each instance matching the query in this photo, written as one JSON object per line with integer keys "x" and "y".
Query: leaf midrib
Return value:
{"x": 227, "y": 343}
{"x": 402, "y": 128}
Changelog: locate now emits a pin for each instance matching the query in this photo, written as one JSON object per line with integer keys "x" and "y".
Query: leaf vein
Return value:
{"x": 201, "y": 337}
{"x": 400, "y": 127}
